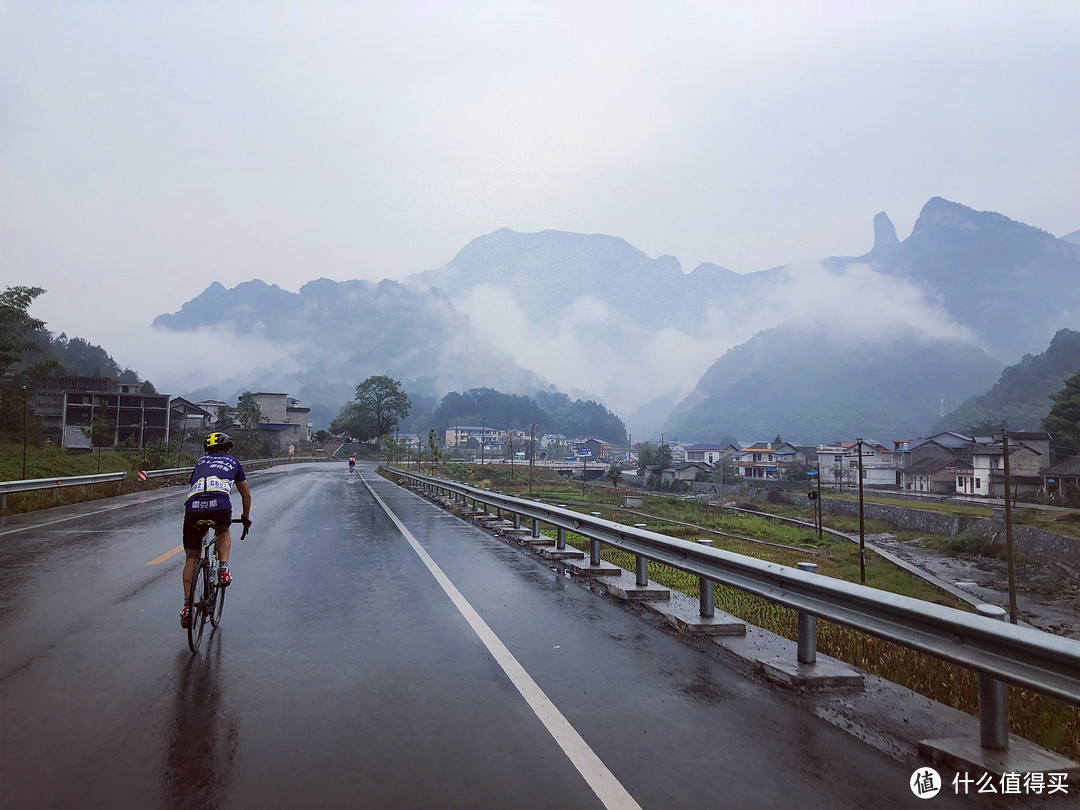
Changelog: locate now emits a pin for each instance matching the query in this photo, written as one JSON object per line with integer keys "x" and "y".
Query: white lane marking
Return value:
{"x": 63, "y": 519}
{"x": 602, "y": 781}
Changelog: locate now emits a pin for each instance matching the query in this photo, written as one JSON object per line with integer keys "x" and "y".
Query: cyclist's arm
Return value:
{"x": 245, "y": 497}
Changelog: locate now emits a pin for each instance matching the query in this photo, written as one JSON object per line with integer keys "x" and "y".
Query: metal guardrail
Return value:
{"x": 52, "y": 483}
{"x": 33, "y": 484}
{"x": 1023, "y": 656}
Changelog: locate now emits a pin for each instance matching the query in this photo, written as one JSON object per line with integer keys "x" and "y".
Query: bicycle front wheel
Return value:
{"x": 218, "y": 605}
{"x": 199, "y": 597}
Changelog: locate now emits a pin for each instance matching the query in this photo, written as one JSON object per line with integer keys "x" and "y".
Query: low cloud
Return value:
{"x": 586, "y": 346}
{"x": 181, "y": 362}
{"x": 860, "y": 301}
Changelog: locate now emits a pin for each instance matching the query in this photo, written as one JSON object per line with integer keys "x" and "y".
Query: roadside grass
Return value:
{"x": 51, "y": 462}
{"x": 1045, "y": 721}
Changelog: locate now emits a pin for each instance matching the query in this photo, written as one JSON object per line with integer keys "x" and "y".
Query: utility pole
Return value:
{"x": 483, "y": 438}
{"x": 817, "y": 505}
{"x": 1008, "y": 527}
{"x": 532, "y": 453}
{"x": 862, "y": 528}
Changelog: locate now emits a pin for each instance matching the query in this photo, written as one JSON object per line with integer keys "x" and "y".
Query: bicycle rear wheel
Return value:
{"x": 198, "y": 606}
{"x": 217, "y": 605}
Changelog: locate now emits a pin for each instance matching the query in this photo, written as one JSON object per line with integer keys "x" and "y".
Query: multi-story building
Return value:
{"x": 284, "y": 420}
{"x": 71, "y": 407}
{"x": 710, "y": 453}
{"x": 763, "y": 460}
{"x": 460, "y": 435}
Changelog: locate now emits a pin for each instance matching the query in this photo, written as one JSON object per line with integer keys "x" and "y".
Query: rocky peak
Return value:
{"x": 884, "y": 232}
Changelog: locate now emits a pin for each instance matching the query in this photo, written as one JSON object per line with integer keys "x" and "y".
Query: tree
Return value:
{"x": 353, "y": 421}
{"x": 1063, "y": 421}
{"x": 433, "y": 445}
{"x": 647, "y": 455}
{"x": 21, "y": 372}
{"x": 16, "y": 323}
{"x": 229, "y": 417}
{"x": 248, "y": 412}
{"x": 384, "y": 400}
{"x": 664, "y": 458}
{"x": 101, "y": 432}
{"x": 614, "y": 475}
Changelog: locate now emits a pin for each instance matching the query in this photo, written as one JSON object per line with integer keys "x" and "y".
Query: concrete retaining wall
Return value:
{"x": 1042, "y": 547}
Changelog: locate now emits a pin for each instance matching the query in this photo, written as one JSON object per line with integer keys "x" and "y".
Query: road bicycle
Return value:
{"x": 207, "y": 597}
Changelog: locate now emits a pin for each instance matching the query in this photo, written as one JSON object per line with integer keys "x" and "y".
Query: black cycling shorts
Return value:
{"x": 193, "y": 535}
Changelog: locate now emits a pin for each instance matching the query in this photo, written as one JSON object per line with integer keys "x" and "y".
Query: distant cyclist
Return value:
{"x": 208, "y": 499}
{"x": 352, "y": 463}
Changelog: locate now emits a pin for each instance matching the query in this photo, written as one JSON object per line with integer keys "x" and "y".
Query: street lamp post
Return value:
{"x": 24, "y": 432}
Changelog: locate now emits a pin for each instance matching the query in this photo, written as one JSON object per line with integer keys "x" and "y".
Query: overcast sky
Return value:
{"x": 150, "y": 148}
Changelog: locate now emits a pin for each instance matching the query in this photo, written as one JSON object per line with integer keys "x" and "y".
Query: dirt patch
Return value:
{"x": 1047, "y": 597}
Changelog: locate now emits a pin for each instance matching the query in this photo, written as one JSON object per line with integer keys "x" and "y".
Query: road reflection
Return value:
{"x": 202, "y": 738}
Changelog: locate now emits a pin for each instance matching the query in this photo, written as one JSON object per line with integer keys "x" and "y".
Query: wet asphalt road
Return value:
{"x": 343, "y": 674}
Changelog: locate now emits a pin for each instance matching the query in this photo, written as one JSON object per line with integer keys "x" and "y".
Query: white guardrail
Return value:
{"x": 999, "y": 651}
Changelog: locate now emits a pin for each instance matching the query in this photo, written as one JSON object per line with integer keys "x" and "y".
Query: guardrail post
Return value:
{"x": 641, "y": 564}
{"x": 536, "y": 527}
{"x": 594, "y": 546}
{"x": 560, "y": 538}
{"x": 993, "y": 698}
{"x": 708, "y": 591}
{"x": 807, "y": 630}
{"x": 517, "y": 520}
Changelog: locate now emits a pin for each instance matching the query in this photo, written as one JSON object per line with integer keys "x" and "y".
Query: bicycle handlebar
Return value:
{"x": 247, "y": 525}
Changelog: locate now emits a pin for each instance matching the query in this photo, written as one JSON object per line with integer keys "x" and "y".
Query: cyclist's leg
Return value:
{"x": 224, "y": 544}
{"x": 193, "y": 535}
{"x": 189, "y": 569}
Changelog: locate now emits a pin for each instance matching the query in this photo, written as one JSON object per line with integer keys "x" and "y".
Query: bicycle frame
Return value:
{"x": 206, "y": 599}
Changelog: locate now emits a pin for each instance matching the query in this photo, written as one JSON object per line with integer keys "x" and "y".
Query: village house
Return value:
{"x": 987, "y": 477}
{"x": 284, "y": 420}
{"x": 763, "y": 461}
{"x": 710, "y": 453}
{"x": 936, "y": 475}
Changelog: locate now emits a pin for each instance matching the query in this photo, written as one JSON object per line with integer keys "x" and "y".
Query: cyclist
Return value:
{"x": 352, "y": 463}
{"x": 208, "y": 499}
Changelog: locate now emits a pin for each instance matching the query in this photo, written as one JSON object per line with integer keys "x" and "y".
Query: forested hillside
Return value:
{"x": 1021, "y": 398}
{"x": 550, "y": 412}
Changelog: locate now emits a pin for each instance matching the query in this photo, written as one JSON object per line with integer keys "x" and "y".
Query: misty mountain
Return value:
{"x": 996, "y": 284}
{"x": 1073, "y": 237}
{"x": 813, "y": 384}
{"x": 1021, "y": 398}
{"x": 1012, "y": 284}
{"x": 331, "y": 335}
{"x": 873, "y": 343}
{"x": 548, "y": 271}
